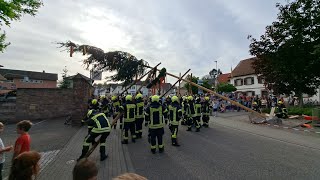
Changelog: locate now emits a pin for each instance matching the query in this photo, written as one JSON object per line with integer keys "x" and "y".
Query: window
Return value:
{"x": 260, "y": 80}
{"x": 250, "y": 93}
{"x": 248, "y": 81}
{"x": 238, "y": 82}
{"x": 9, "y": 81}
{"x": 133, "y": 87}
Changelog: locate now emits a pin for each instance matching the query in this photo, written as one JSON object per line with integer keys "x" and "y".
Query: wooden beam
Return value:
{"x": 216, "y": 94}
{"x": 174, "y": 84}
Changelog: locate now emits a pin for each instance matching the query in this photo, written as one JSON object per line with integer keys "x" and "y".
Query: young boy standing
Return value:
{"x": 3, "y": 149}
{"x": 23, "y": 142}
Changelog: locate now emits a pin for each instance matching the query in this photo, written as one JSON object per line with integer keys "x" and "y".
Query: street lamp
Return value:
{"x": 216, "y": 79}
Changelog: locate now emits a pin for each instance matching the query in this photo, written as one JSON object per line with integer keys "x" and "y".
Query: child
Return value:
{"x": 2, "y": 150}
{"x": 25, "y": 166}
{"x": 85, "y": 169}
{"x": 23, "y": 142}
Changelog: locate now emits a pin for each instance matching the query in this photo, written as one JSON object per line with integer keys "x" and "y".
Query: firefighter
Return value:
{"x": 94, "y": 104}
{"x": 154, "y": 117}
{"x": 197, "y": 116}
{"x": 191, "y": 115}
{"x": 101, "y": 126}
{"x": 139, "y": 114}
{"x": 174, "y": 115}
{"x": 184, "y": 105}
{"x": 206, "y": 109}
{"x": 281, "y": 110}
{"x": 104, "y": 105}
{"x": 116, "y": 110}
{"x": 129, "y": 111}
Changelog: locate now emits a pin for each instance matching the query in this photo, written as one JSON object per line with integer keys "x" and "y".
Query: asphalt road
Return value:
{"x": 231, "y": 149}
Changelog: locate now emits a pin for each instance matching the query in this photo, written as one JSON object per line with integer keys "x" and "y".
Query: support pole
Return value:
{"x": 140, "y": 78}
{"x": 216, "y": 94}
{"x": 179, "y": 85}
{"x": 190, "y": 86}
{"x": 175, "y": 83}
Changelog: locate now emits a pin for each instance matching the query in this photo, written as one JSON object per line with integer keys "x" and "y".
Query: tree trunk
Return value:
{"x": 300, "y": 100}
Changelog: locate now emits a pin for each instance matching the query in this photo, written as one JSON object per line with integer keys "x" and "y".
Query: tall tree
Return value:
{"x": 214, "y": 73}
{"x": 226, "y": 87}
{"x": 288, "y": 54}
{"x": 12, "y": 10}
{"x": 64, "y": 83}
{"x": 194, "y": 88}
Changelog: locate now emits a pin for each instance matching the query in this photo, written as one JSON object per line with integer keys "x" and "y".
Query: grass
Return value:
{"x": 294, "y": 110}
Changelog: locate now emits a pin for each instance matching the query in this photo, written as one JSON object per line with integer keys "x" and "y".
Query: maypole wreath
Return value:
{"x": 126, "y": 65}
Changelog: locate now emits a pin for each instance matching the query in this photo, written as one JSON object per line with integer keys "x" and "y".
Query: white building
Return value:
{"x": 248, "y": 83}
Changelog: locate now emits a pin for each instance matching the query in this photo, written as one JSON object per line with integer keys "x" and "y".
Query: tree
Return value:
{"x": 226, "y": 87}
{"x": 195, "y": 88}
{"x": 214, "y": 73}
{"x": 288, "y": 54}
{"x": 12, "y": 11}
{"x": 64, "y": 83}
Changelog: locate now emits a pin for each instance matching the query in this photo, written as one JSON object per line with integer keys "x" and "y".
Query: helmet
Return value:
{"x": 280, "y": 102}
{"x": 206, "y": 98}
{"x": 94, "y": 101}
{"x": 139, "y": 96}
{"x": 155, "y": 98}
{"x": 90, "y": 112}
{"x": 113, "y": 98}
{"x": 102, "y": 97}
{"x": 128, "y": 98}
{"x": 184, "y": 97}
{"x": 174, "y": 99}
{"x": 255, "y": 103}
{"x": 190, "y": 98}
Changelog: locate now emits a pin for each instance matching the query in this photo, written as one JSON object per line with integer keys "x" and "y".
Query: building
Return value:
{"x": 71, "y": 78}
{"x": 27, "y": 79}
{"x": 224, "y": 78}
{"x": 247, "y": 82}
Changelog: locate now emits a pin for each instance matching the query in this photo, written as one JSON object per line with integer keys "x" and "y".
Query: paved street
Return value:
{"x": 231, "y": 148}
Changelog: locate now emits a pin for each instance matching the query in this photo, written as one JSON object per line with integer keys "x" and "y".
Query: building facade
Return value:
{"x": 27, "y": 79}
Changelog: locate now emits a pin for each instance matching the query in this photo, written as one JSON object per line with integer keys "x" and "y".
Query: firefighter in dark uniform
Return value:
{"x": 104, "y": 105}
{"x": 101, "y": 126}
{"x": 139, "y": 114}
{"x": 197, "y": 116}
{"x": 174, "y": 115}
{"x": 154, "y": 117}
{"x": 94, "y": 104}
{"x": 281, "y": 110}
{"x": 191, "y": 114}
{"x": 116, "y": 110}
{"x": 184, "y": 105}
{"x": 129, "y": 111}
{"x": 206, "y": 112}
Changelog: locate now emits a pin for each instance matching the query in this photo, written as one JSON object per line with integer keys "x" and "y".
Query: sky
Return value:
{"x": 181, "y": 34}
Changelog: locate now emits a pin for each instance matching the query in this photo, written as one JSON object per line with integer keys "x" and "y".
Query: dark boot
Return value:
{"x": 189, "y": 129}
{"x": 120, "y": 126}
{"x": 103, "y": 155}
{"x": 176, "y": 143}
{"x": 133, "y": 140}
{"x": 198, "y": 130}
{"x": 153, "y": 151}
{"x": 85, "y": 150}
{"x": 161, "y": 150}
{"x": 124, "y": 141}
{"x": 115, "y": 126}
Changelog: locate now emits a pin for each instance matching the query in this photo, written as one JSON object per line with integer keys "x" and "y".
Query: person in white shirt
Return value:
{"x": 3, "y": 149}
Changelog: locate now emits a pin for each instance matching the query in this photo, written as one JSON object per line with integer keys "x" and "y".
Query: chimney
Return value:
{"x": 43, "y": 71}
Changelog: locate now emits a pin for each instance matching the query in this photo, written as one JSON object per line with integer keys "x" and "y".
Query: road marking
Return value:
{"x": 286, "y": 127}
{"x": 306, "y": 131}
{"x": 317, "y": 132}
{"x": 276, "y": 125}
{"x": 295, "y": 129}
{"x": 39, "y": 122}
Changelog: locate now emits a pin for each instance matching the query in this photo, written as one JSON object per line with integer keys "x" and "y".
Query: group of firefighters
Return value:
{"x": 132, "y": 112}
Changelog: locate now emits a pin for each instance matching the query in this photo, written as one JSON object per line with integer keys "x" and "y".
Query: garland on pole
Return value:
{"x": 126, "y": 65}
{"x": 155, "y": 81}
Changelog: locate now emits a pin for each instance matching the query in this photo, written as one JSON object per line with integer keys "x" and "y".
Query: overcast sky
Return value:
{"x": 181, "y": 34}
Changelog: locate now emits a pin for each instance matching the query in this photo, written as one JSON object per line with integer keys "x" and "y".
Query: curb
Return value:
{"x": 295, "y": 129}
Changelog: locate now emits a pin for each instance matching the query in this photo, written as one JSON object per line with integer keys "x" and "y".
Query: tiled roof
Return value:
{"x": 224, "y": 78}
{"x": 244, "y": 68}
{"x": 11, "y": 73}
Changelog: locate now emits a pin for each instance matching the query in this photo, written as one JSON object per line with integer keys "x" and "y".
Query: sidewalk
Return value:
{"x": 117, "y": 163}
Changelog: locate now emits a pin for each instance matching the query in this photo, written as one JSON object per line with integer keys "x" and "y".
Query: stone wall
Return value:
{"x": 36, "y": 104}
{"x": 39, "y": 104}
{"x": 7, "y": 111}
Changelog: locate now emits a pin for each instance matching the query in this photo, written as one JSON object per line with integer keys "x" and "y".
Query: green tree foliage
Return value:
{"x": 64, "y": 83}
{"x": 12, "y": 10}
{"x": 289, "y": 51}
{"x": 226, "y": 87}
{"x": 194, "y": 88}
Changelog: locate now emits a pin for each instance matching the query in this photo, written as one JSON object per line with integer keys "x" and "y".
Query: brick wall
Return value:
{"x": 7, "y": 111}
{"x": 44, "y": 84}
{"x": 37, "y": 104}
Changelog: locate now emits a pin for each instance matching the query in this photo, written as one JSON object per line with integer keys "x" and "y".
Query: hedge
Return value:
{"x": 294, "y": 110}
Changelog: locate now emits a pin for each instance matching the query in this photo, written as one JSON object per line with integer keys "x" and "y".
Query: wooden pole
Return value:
{"x": 140, "y": 78}
{"x": 190, "y": 86}
{"x": 174, "y": 84}
{"x": 179, "y": 85}
{"x": 216, "y": 94}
